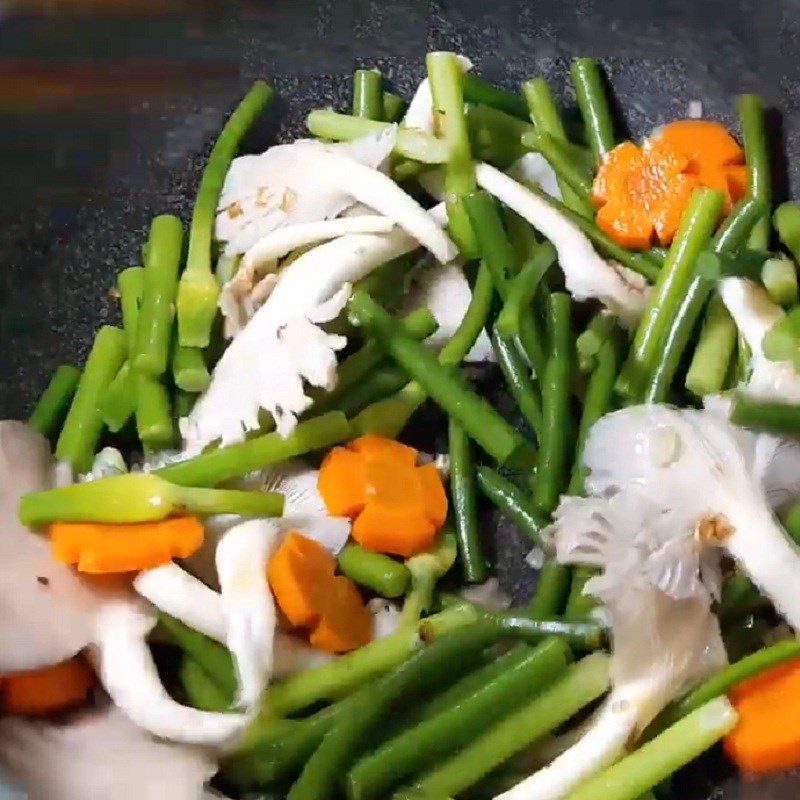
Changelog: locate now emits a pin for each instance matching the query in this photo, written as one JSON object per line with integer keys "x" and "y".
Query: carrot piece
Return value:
{"x": 48, "y": 691}
{"x": 738, "y": 181}
{"x": 100, "y": 548}
{"x": 767, "y": 736}
{"x": 704, "y": 142}
{"x": 296, "y": 573}
{"x": 711, "y": 152}
{"x": 396, "y": 506}
{"x": 301, "y": 575}
{"x": 400, "y": 531}
{"x": 374, "y": 447}
{"x": 642, "y": 192}
{"x": 345, "y": 623}
{"x": 342, "y": 482}
{"x": 434, "y": 497}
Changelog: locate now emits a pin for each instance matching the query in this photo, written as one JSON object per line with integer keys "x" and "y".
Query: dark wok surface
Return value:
{"x": 80, "y": 178}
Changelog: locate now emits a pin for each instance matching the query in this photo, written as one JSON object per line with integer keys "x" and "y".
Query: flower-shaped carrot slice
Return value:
{"x": 396, "y": 506}
{"x": 301, "y": 576}
{"x": 297, "y": 573}
{"x": 101, "y": 548}
{"x": 714, "y": 156}
{"x": 344, "y": 622}
{"x": 642, "y": 192}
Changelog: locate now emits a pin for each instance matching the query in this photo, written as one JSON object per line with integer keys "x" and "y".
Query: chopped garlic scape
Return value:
{"x": 754, "y": 314}
{"x": 100, "y": 755}
{"x": 419, "y": 114}
{"x": 247, "y": 604}
{"x": 279, "y": 188}
{"x": 697, "y": 468}
{"x": 282, "y": 345}
{"x": 129, "y": 675}
{"x": 587, "y": 275}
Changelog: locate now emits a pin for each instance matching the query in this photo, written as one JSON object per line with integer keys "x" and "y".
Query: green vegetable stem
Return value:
{"x": 50, "y": 409}
{"x": 81, "y": 431}
{"x": 198, "y": 290}
{"x": 140, "y": 497}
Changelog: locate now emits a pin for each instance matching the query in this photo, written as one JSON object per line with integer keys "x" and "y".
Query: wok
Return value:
{"x": 107, "y": 115}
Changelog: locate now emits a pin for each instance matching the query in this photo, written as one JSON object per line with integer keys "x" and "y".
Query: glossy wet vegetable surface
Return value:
{"x": 79, "y": 186}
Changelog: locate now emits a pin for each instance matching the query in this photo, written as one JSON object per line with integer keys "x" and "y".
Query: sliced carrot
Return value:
{"x": 99, "y": 548}
{"x": 711, "y": 151}
{"x": 374, "y": 447}
{"x": 642, "y": 192}
{"x": 301, "y": 575}
{"x": 433, "y": 495}
{"x": 400, "y": 531}
{"x": 343, "y": 482}
{"x": 48, "y": 691}
{"x": 767, "y": 736}
{"x": 397, "y": 507}
{"x": 704, "y": 142}
{"x": 295, "y": 573}
{"x": 344, "y": 623}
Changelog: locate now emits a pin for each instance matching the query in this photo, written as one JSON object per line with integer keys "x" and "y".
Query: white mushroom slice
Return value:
{"x": 100, "y": 755}
{"x": 331, "y": 173}
{"x": 304, "y": 509}
{"x": 46, "y": 609}
{"x": 282, "y": 241}
{"x": 586, "y": 274}
{"x": 664, "y": 635}
{"x": 282, "y": 345}
{"x": 533, "y": 169}
{"x": 247, "y": 604}
{"x": 129, "y": 675}
{"x": 754, "y": 314}
{"x": 386, "y": 617}
{"x": 696, "y": 465}
{"x": 445, "y": 292}
{"x": 181, "y": 595}
{"x": 279, "y": 188}
{"x": 173, "y": 590}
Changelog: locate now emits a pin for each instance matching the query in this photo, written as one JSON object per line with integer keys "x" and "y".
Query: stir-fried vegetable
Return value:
{"x": 313, "y": 659}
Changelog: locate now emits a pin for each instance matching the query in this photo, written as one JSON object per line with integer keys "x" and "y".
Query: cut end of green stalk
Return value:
{"x": 192, "y": 379}
{"x": 198, "y": 294}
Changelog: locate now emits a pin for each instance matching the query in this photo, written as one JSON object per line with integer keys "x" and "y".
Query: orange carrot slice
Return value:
{"x": 100, "y": 548}
{"x": 343, "y": 482}
{"x": 433, "y": 495}
{"x": 397, "y": 507}
{"x": 296, "y": 573}
{"x": 380, "y": 448}
{"x": 344, "y": 622}
{"x": 301, "y": 575}
{"x": 767, "y": 736}
{"x": 710, "y": 151}
{"x": 642, "y": 192}
{"x": 48, "y": 691}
